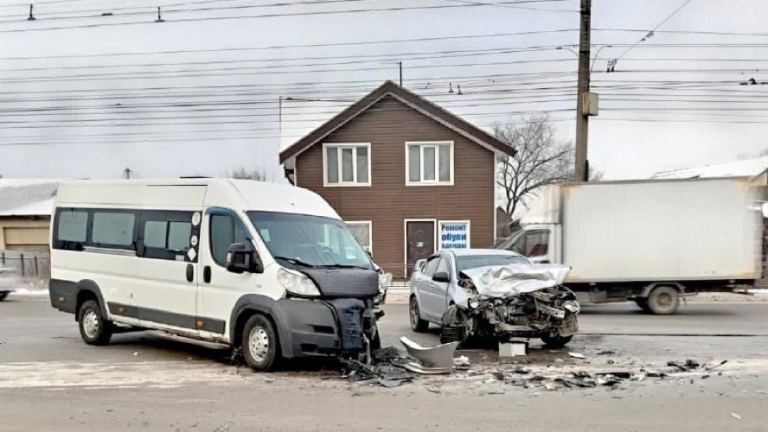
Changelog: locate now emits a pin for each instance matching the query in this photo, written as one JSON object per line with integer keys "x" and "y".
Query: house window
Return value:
{"x": 363, "y": 233}
{"x": 347, "y": 164}
{"x": 429, "y": 163}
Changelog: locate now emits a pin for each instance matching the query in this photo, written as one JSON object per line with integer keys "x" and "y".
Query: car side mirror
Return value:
{"x": 369, "y": 253}
{"x": 441, "y": 277}
{"x": 242, "y": 258}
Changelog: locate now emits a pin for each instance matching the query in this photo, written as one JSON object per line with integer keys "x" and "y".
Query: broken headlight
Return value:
{"x": 297, "y": 283}
{"x": 572, "y": 306}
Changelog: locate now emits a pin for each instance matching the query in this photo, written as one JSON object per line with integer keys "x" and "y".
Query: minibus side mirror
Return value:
{"x": 242, "y": 258}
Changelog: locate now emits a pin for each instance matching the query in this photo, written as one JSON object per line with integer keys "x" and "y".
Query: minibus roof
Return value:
{"x": 239, "y": 195}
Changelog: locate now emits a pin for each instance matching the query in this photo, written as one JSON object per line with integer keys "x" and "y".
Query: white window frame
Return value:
{"x": 339, "y": 147}
{"x": 370, "y": 232}
{"x": 467, "y": 222}
{"x": 422, "y": 145}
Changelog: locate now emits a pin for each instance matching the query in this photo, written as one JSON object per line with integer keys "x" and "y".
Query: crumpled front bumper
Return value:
{"x": 309, "y": 328}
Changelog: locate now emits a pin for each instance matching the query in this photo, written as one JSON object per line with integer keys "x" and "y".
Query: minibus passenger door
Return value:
{"x": 166, "y": 292}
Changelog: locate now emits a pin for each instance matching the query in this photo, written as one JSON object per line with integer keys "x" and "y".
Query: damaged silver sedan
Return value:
{"x": 490, "y": 295}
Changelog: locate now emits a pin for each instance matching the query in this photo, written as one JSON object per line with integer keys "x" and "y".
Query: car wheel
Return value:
{"x": 94, "y": 328}
{"x": 417, "y": 324}
{"x": 556, "y": 341}
{"x": 260, "y": 344}
{"x": 663, "y": 300}
{"x": 3, "y": 295}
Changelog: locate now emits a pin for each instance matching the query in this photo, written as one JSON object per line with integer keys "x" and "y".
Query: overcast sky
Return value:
{"x": 199, "y": 96}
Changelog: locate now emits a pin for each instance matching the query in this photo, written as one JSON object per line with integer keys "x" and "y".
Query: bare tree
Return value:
{"x": 242, "y": 173}
{"x": 540, "y": 160}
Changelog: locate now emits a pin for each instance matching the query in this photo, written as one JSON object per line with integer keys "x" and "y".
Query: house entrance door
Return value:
{"x": 419, "y": 242}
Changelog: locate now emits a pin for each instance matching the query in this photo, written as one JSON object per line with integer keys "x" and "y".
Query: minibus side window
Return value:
{"x": 71, "y": 229}
{"x": 167, "y": 235}
{"x": 113, "y": 229}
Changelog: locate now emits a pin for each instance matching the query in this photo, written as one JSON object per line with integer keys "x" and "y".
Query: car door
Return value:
{"x": 219, "y": 289}
{"x": 422, "y": 281}
{"x": 431, "y": 298}
{"x": 440, "y": 288}
{"x": 166, "y": 282}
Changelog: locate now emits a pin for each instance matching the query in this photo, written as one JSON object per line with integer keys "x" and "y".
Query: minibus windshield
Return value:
{"x": 309, "y": 241}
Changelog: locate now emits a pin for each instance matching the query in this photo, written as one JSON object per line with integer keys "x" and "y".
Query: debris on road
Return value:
{"x": 717, "y": 365}
{"x": 736, "y": 416}
{"x": 434, "y": 360}
{"x": 685, "y": 367}
{"x": 513, "y": 349}
{"x": 577, "y": 355}
{"x": 461, "y": 363}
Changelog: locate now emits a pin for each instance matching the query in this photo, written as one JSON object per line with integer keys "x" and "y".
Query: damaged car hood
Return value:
{"x": 515, "y": 279}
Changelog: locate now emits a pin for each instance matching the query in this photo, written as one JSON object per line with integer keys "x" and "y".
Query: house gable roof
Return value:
{"x": 410, "y": 99}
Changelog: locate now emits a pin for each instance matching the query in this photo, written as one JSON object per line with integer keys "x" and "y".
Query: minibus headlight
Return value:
{"x": 297, "y": 283}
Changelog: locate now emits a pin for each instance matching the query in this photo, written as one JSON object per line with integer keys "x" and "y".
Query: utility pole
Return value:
{"x": 582, "y": 118}
{"x": 127, "y": 174}
{"x": 400, "y": 66}
{"x": 280, "y": 121}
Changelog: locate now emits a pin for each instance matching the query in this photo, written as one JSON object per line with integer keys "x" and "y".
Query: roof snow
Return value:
{"x": 27, "y": 197}
{"x": 743, "y": 168}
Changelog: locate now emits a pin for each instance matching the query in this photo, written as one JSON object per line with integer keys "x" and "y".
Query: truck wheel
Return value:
{"x": 663, "y": 300}
{"x": 260, "y": 345}
{"x": 556, "y": 341}
{"x": 417, "y": 324}
{"x": 3, "y": 295}
{"x": 94, "y": 328}
{"x": 642, "y": 303}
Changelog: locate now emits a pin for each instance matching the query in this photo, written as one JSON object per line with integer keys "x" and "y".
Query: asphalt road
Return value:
{"x": 50, "y": 380}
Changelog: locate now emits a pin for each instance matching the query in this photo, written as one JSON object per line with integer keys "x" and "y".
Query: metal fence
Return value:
{"x": 26, "y": 268}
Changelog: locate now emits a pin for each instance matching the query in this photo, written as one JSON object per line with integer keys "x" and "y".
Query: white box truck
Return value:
{"x": 650, "y": 241}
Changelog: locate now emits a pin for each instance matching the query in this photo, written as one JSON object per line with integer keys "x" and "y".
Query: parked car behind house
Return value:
{"x": 526, "y": 300}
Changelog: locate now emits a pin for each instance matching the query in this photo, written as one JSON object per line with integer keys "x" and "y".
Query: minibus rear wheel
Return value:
{"x": 94, "y": 328}
{"x": 260, "y": 345}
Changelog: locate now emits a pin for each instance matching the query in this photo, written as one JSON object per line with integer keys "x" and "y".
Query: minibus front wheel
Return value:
{"x": 260, "y": 345}
{"x": 94, "y": 328}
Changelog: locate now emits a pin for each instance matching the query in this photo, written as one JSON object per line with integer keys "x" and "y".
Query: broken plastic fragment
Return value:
{"x": 461, "y": 363}
{"x": 736, "y": 416}
{"x": 577, "y": 355}
{"x": 440, "y": 356}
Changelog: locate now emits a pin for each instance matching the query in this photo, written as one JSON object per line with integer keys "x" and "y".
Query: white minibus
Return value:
{"x": 266, "y": 267}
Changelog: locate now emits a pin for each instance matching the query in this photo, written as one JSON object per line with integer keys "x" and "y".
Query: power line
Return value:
{"x": 294, "y": 46}
{"x": 262, "y": 16}
{"x": 166, "y": 8}
{"x": 650, "y": 34}
{"x": 513, "y": 7}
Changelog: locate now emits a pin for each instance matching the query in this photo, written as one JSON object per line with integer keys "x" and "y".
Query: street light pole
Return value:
{"x": 582, "y": 118}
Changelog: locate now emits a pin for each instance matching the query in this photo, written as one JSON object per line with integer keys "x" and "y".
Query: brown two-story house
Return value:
{"x": 407, "y": 176}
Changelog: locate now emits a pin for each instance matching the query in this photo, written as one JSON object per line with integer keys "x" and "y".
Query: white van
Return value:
{"x": 266, "y": 267}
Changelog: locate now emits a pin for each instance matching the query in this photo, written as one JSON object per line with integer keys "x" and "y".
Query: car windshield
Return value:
{"x": 474, "y": 261}
{"x": 309, "y": 241}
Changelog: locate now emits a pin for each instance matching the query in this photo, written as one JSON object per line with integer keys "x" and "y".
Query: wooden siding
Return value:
{"x": 388, "y": 201}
